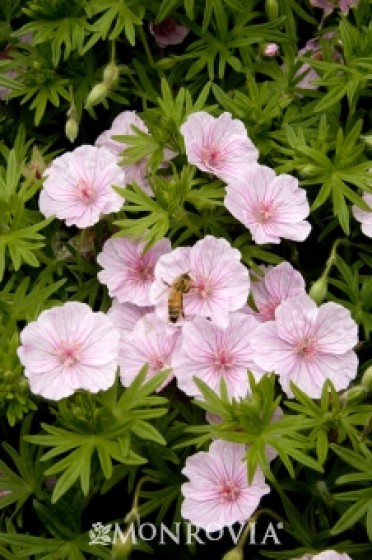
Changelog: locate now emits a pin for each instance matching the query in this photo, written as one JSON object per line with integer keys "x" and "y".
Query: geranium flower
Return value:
{"x": 220, "y": 282}
{"x": 220, "y": 146}
{"x": 314, "y": 47}
{"x": 271, "y": 50}
{"x": 307, "y": 345}
{"x": 125, "y": 315}
{"x": 270, "y": 206}
{"x": 364, "y": 217}
{"x": 279, "y": 283}
{"x": 69, "y": 348}
{"x": 123, "y": 125}
{"x": 218, "y": 493}
{"x": 151, "y": 342}
{"x": 168, "y": 32}
{"x": 128, "y": 271}
{"x": 212, "y": 353}
{"x": 326, "y": 555}
{"x": 78, "y": 186}
{"x": 329, "y": 5}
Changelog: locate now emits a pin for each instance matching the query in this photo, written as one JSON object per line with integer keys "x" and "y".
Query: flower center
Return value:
{"x": 157, "y": 363}
{"x": 264, "y": 212}
{"x": 68, "y": 353}
{"x": 203, "y": 287}
{"x": 145, "y": 272}
{"x": 229, "y": 491}
{"x": 306, "y": 349}
{"x": 210, "y": 156}
{"x": 86, "y": 192}
{"x": 222, "y": 361}
{"x": 267, "y": 311}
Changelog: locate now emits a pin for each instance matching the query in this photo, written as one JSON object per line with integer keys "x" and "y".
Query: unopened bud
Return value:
{"x": 96, "y": 95}
{"x": 308, "y": 170}
{"x": 272, "y": 9}
{"x": 36, "y": 166}
{"x": 71, "y": 129}
{"x": 110, "y": 74}
{"x": 234, "y": 554}
{"x": 318, "y": 290}
{"x": 367, "y": 379}
{"x": 354, "y": 395}
{"x": 271, "y": 50}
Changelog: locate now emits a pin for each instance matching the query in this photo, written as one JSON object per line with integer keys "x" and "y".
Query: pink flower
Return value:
{"x": 314, "y": 46}
{"x": 271, "y": 50}
{"x": 364, "y": 217}
{"x": 78, "y": 186}
{"x": 212, "y": 353}
{"x": 217, "y": 493}
{"x": 69, "y": 348}
{"x": 219, "y": 146}
{"x": 128, "y": 271}
{"x": 329, "y": 5}
{"x": 125, "y": 315}
{"x": 123, "y": 125}
{"x": 151, "y": 342}
{"x": 326, "y": 555}
{"x": 168, "y": 32}
{"x": 220, "y": 282}
{"x": 307, "y": 345}
{"x": 270, "y": 206}
{"x": 279, "y": 283}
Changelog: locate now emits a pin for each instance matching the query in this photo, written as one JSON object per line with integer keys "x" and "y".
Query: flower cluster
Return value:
{"x": 205, "y": 329}
{"x": 78, "y": 186}
{"x": 271, "y": 207}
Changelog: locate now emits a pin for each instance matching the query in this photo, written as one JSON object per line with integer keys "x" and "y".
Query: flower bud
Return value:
{"x": 318, "y": 290}
{"x": 271, "y": 50}
{"x": 234, "y": 554}
{"x": 367, "y": 379}
{"x": 97, "y": 95}
{"x": 71, "y": 129}
{"x": 354, "y": 395}
{"x": 308, "y": 170}
{"x": 36, "y": 166}
{"x": 272, "y": 9}
{"x": 110, "y": 74}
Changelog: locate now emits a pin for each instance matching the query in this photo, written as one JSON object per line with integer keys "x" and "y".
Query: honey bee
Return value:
{"x": 180, "y": 286}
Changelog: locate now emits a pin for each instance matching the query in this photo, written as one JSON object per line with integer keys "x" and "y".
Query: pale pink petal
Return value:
{"x": 364, "y": 217}
{"x": 337, "y": 332}
{"x": 69, "y": 348}
{"x": 220, "y": 146}
{"x": 270, "y": 207}
{"x": 149, "y": 343}
{"x": 310, "y": 376}
{"x": 218, "y": 493}
{"x": 212, "y": 353}
{"x": 79, "y": 186}
{"x": 128, "y": 270}
{"x": 279, "y": 283}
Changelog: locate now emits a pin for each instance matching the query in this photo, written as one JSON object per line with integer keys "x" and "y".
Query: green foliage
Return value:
{"x": 128, "y": 445}
{"x": 15, "y": 398}
{"x": 105, "y": 432}
{"x": 20, "y": 239}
